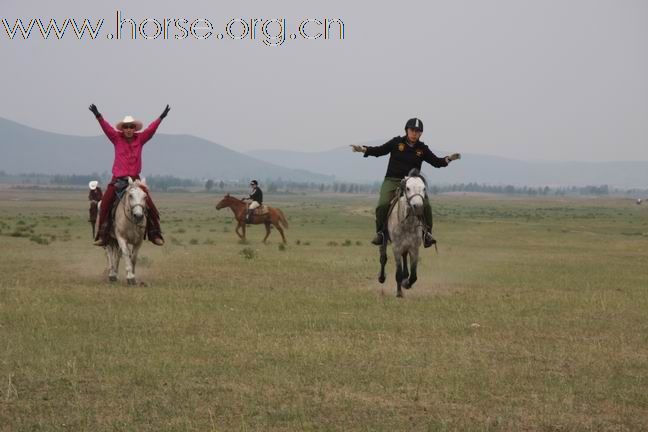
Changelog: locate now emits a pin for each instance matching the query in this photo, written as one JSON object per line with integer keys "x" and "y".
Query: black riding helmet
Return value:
{"x": 414, "y": 123}
{"x": 254, "y": 182}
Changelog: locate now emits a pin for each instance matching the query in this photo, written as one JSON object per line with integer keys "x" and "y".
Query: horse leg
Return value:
{"x": 414, "y": 262}
{"x": 112, "y": 265}
{"x": 383, "y": 261}
{"x": 126, "y": 254}
{"x": 238, "y": 227}
{"x": 267, "y": 227}
{"x": 399, "y": 273}
{"x": 405, "y": 271}
{"x": 136, "y": 249}
{"x": 278, "y": 226}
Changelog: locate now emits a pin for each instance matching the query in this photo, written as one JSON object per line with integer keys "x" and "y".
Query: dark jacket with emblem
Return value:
{"x": 404, "y": 157}
{"x": 257, "y": 196}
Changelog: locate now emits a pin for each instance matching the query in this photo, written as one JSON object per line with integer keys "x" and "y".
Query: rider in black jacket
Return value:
{"x": 255, "y": 198}
{"x": 405, "y": 152}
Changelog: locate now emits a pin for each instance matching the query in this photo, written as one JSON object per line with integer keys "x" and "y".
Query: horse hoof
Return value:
{"x": 381, "y": 279}
{"x": 406, "y": 284}
{"x": 131, "y": 282}
{"x": 399, "y": 294}
{"x": 112, "y": 278}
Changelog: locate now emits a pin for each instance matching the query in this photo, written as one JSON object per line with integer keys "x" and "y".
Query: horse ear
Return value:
{"x": 130, "y": 181}
{"x": 227, "y": 195}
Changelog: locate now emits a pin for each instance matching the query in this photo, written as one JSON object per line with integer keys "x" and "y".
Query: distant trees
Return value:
{"x": 209, "y": 185}
{"x": 164, "y": 183}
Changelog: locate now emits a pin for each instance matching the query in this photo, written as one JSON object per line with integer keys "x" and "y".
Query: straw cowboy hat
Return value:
{"x": 127, "y": 120}
{"x": 93, "y": 184}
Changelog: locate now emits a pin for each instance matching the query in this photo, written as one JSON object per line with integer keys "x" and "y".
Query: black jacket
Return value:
{"x": 403, "y": 157}
{"x": 257, "y": 196}
{"x": 95, "y": 195}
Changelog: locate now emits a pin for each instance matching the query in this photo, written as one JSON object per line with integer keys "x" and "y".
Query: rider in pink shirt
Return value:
{"x": 128, "y": 143}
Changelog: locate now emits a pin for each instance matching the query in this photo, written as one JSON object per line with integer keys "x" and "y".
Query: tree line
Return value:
{"x": 172, "y": 183}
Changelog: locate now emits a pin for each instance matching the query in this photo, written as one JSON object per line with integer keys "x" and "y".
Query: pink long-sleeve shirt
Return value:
{"x": 128, "y": 155}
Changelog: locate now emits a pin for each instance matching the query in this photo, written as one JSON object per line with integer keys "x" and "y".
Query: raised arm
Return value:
{"x": 148, "y": 133}
{"x": 110, "y": 132}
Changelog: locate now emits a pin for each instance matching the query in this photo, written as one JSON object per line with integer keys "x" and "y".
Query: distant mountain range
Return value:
{"x": 472, "y": 168}
{"x": 27, "y": 150}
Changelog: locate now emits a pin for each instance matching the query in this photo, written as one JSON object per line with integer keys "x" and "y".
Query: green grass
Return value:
{"x": 531, "y": 317}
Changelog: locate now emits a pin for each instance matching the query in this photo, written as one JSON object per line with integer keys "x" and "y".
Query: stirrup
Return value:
{"x": 428, "y": 240}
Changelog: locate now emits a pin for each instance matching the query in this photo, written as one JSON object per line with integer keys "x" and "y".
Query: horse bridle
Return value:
{"x": 131, "y": 207}
{"x": 409, "y": 199}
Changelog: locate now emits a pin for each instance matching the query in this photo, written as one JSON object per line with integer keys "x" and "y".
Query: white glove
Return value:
{"x": 454, "y": 156}
{"x": 358, "y": 148}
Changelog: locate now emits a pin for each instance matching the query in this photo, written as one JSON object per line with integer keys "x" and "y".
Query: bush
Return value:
{"x": 248, "y": 253}
{"x": 38, "y": 239}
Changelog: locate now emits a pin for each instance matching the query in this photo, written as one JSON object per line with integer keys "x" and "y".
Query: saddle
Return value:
{"x": 261, "y": 210}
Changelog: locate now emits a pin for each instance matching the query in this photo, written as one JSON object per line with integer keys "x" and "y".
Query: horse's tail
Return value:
{"x": 282, "y": 218}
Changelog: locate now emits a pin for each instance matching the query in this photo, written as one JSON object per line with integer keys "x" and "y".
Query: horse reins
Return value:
{"x": 130, "y": 208}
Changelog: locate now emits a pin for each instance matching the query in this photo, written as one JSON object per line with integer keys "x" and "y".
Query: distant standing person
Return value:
{"x": 255, "y": 198}
{"x": 405, "y": 152}
{"x": 128, "y": 143}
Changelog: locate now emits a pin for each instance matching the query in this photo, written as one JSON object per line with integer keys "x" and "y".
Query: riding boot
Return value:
{"x": 428, "y": 240}
{"x": 381, "y": 216}
{"x": 248, "y": 218}
{"x": 102, "y": 235}
{"x": 153, "y": 231}
{"x": 379, "y": 238}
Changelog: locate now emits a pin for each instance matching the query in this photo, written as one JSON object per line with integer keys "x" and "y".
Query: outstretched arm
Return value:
{"x": 110, "y": 132}
{"x": 433, "y": 159}
{"x": 376, "y": 151}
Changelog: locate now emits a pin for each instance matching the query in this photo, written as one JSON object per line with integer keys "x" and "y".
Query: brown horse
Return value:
{"x": 274, "y": 217}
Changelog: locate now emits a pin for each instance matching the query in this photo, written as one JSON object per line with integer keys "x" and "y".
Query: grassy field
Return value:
{"x": 533, "y": 316}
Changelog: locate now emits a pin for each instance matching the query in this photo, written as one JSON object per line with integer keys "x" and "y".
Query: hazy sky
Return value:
{"x": 543, "y": 79}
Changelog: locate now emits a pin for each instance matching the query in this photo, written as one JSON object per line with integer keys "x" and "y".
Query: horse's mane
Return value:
{"x": 416, "y": 173}
{"x": 228, "y": 196}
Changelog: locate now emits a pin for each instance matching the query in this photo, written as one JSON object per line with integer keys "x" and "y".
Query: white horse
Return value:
{"x": 127, "y": 232}
{"x": 405, "y": 231}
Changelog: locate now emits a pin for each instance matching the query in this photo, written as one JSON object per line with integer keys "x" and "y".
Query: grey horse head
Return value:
{"x": 414, "y": 191}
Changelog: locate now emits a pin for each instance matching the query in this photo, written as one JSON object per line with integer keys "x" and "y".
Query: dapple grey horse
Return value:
{"x": 127, "y": 232}
{"x": 405, "y": 231}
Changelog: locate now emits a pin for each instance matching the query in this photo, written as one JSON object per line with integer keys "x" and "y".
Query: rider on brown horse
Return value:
{"x": 405, "y": 153}
{"x": 255, "y": 199}
{"x": 128, "y": 143}
{"x": 94, "y": 196}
